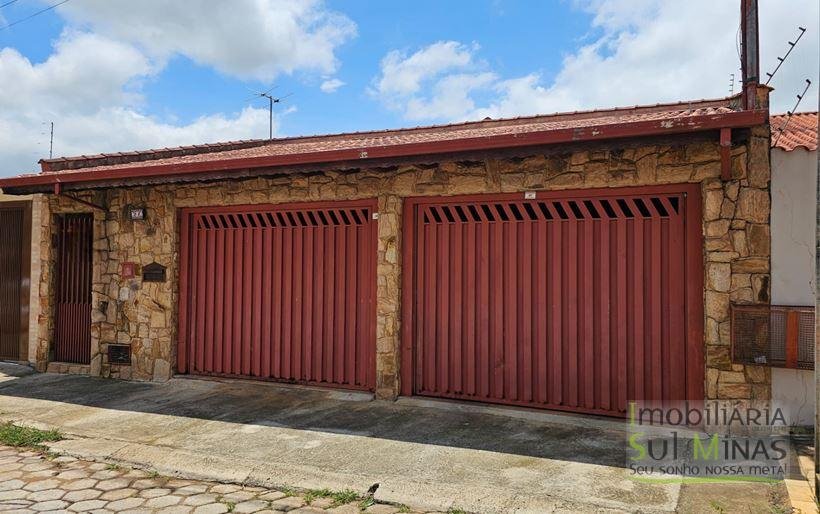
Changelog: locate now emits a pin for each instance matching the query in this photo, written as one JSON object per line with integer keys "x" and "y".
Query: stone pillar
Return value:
{"x": 388, "y": 292}
{"x": 738, "y": 242}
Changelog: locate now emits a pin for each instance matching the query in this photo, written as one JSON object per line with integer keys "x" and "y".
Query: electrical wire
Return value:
{"x": 30, "y": 16}
{"x": 7, "y": 3}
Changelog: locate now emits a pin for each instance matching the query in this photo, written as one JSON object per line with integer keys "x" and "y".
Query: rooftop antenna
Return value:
{"x": 50, "y": 140}
{"x": 791, "y": 112}
{"x": 780, "y": 60}
{"x": 271, "y": 100}
{"x": 731, "y": 84}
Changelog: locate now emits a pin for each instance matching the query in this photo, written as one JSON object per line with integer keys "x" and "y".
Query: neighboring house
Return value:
{"x": 572, "y": 261}
{"x": 793, "y": 224}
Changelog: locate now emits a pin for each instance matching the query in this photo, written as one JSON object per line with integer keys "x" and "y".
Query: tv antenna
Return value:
{"x": 271, "y": 100}
{"x": 731, "y": 84}
{"x": 781, "y": 60}
{"x": 50, "y": 139}
{"x": 791, "y": 112}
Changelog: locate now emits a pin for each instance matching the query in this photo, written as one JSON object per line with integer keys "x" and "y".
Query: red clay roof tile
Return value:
{"x": 372, "y": 139}
{"x": 799, "y": 132}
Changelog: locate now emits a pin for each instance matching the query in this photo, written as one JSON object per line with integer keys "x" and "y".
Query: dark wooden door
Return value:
{"x": 72, "y": 332}
{"x": 15, "y": 224}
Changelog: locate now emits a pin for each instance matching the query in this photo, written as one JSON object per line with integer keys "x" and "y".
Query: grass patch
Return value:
{"x": 344, "y": 497}
{"x": 314, "y": 494}
{"x": 338, "y": 497}
{"x": 454, "y": 510}
{"x": 113, "y": 467}
{"x": 367, "y": 502}
{"x": 404, "y": 508}
{"x": 27, "y": 437}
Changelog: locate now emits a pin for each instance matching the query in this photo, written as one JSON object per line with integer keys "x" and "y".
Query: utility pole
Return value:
{"x": 817, "y": 337}
{"x": 51, "y": 142}
{"x": 750, "y": 58}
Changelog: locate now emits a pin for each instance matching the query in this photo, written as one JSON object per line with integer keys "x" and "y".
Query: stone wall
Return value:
{"x": 735, "y": 225}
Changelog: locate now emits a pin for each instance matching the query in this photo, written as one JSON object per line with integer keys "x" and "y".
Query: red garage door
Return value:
{"x": 279, "y": 292}
{"x": 577, "y": 301}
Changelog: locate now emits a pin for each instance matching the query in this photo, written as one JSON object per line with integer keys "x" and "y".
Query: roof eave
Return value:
{"x": 689, "y": 124}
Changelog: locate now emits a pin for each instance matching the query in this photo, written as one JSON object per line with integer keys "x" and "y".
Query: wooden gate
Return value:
{"x": 283, "y": 293}
{"x": 15, "y": 258}
{"x": 577, "y": 300}
{"x": 72, "y": 330}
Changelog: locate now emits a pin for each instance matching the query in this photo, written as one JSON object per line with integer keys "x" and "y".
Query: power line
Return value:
{"x": 30, "y": 16}
{"x": 7, "y": 3}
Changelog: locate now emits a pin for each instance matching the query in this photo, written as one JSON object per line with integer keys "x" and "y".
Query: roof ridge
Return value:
{"x": 84, "y": 161}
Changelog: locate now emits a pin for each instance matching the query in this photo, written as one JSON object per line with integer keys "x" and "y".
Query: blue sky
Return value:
{"x": 116, "y": 74}
{"x": 185, "y": 90}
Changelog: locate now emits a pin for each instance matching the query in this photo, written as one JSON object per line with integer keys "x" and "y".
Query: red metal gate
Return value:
{"x": 72, "y": 330}
{"x": 280, "y": 292}
{"x": 577, "y": 300}
{"x": 15, "y": 256}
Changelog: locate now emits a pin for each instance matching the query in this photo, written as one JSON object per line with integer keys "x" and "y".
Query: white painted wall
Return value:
{"x": 794, "y": 200}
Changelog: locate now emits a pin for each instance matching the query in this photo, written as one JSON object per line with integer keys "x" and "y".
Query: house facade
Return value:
{"x": 793, "y": 228}
{"x": 571, "y": 262}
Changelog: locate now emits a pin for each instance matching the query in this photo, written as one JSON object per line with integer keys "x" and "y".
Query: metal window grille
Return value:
{"x": 773, "y": 335}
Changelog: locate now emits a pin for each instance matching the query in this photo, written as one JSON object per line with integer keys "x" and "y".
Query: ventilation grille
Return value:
{"x": 119, "y": 354}
{"x": 283, "y": 219}
{"x": 772, "y": 335}
{"x": 545, "y": 210}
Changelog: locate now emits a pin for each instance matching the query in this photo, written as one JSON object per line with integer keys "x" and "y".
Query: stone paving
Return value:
{"x": 33, "y": 483}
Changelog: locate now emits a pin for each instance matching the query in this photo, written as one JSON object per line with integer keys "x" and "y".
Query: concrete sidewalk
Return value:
{"x": 429, "y": 455}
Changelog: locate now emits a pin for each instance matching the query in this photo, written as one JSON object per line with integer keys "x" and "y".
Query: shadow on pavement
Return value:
{"x": 252, "y": 403}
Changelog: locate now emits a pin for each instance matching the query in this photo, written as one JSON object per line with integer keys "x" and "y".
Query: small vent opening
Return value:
{"x": 119, "y": 354}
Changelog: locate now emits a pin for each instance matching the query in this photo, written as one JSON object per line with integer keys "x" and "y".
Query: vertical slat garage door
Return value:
{"x": 15, "y": 256}
{"x": 279, "y": 292}
{"x": 577, "y": 301}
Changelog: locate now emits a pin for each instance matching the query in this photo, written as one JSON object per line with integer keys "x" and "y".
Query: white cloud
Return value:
{"x": 256, "y": 39}
{"x": 433, "y": 83}
{"x": 642, "y": 51}
{"x": 69, "y": 79}
{"x": 90, "y": 85}
{"x": 450, "y": 97}
{"x": 331, "y": 85}
{"x": 403, "y": 75}
{"x": 94, "y": 103}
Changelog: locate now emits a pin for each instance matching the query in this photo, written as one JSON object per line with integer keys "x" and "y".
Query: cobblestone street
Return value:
{"x": 30, "y": 482}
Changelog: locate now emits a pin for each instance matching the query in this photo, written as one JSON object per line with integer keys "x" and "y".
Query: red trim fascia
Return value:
{"x": 681, "y": 125}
